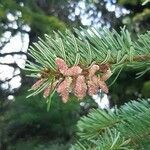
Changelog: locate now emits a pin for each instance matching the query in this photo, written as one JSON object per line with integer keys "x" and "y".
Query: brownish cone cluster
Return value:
{"x": 77, "y": 80}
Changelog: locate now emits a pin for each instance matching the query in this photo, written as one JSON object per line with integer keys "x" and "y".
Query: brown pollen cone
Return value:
{"x": 92, "y": 88}
{"x": 93, "y": 70}
{"x": 80, "y": 87}
{"x": 61, "y": 65}
{"x": 47, "y": 91}
{"x": 100, "y": 84}
{"x": 103, "y": 86}
{"x": 73, "y": 71}
{"x": 37, "y": 84}
{"x": 64, "y": 88}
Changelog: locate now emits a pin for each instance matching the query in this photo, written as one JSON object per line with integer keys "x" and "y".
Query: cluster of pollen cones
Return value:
{"x": 77, "y": 80}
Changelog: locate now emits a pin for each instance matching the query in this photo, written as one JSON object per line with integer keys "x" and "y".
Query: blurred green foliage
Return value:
{"x": 27, "y": 122}
{"x": 39, "y": 144}
{"x": 146, "y": 89}
{"x": 128, "y": 87}
{"x": 131, "y": 2}
{"x": 31, "y": 15}
{"x": 139, "y": 15}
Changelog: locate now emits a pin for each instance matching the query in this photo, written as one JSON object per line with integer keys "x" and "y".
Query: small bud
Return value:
{"x": 39, "y": 75}
{"x": 106, "y": 75}
{"x": 93, "y": 70}
{"x": 103, "y": 68}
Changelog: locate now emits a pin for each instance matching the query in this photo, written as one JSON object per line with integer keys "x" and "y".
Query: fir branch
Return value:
{"x": 109, "y": 140}
{"x": 105, "y": 46}
{"x": 131, "y": 121}
{"x": 89, "y": 47}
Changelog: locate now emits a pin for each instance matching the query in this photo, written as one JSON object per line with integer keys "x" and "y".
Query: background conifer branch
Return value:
{"x": 125, "y": 128}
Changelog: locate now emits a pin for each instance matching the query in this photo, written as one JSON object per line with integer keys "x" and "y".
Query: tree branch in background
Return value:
{"x": 13, "y": 53}
{"x": 14, "y": 65}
